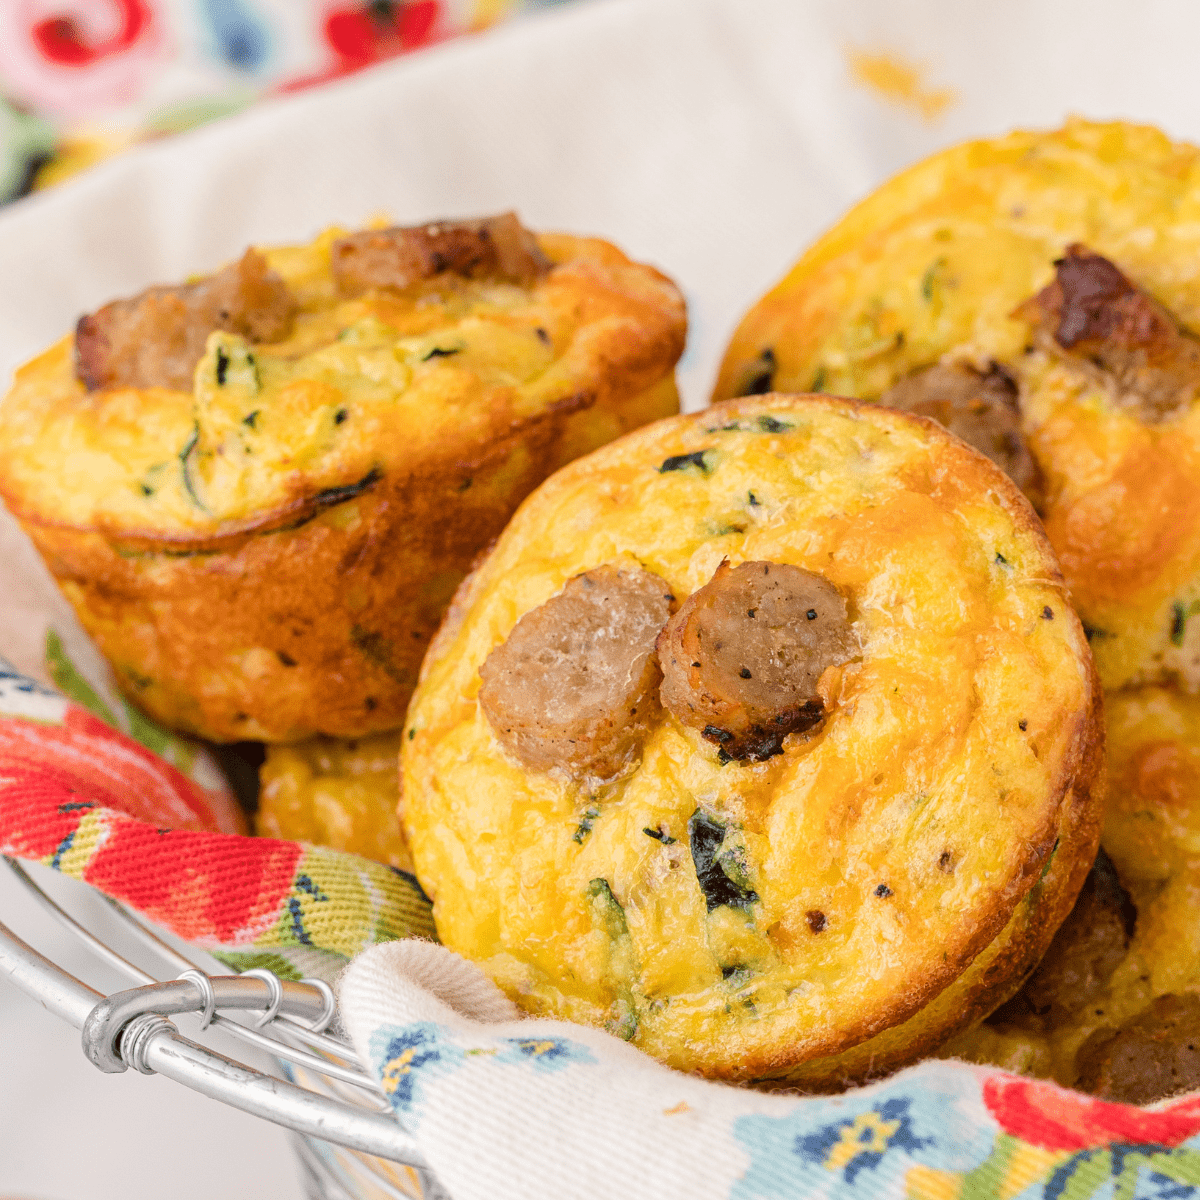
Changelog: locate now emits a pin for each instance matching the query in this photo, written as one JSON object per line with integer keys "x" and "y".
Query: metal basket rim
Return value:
{"x": 135, "y": 1028}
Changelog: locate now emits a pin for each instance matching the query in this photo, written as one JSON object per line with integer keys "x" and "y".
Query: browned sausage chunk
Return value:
{"x": 575, "y": 685}
{"x": 1089, "y": 946}
{"x": 155, "y": 339}
{"x": 979, "y": 407}
{"x": 1155, "y": 1055}
{"x": 492, "y": 247}
{"x": 742, "y": 656}
{"x": 1096, "y": 315}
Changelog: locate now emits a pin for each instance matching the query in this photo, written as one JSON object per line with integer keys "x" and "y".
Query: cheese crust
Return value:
{"x": 268, "y": 555}
{"x": 938, "y": 265}
{"x": 888, "y": 877}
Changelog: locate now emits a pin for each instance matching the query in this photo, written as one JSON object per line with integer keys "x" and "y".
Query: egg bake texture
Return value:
{"x": 259, "y": 490}
{"x": 1040, "y": 294}
{"x": 764, "y": 737}
{"x": 1114, "y": 1008}
{"x": 335, "y": 792}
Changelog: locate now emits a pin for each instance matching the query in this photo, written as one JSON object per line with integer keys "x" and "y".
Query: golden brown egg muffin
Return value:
{"x": 1114, "y": 1007}
{"x": 335, "y": 793}
{"x": 259, "y": 490}
{"x": 1040, "y": 295}
{"x": 764, "y": 737}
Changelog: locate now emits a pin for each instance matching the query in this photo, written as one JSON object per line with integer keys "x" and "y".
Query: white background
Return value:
{"x": 70, "y": 1132}
{"x": 713, "y": 138}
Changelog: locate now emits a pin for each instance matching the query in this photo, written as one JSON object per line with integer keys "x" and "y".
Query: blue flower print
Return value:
{"x": 240, "y": 36}
{"x": 12, "y": 680}
{"x": 860, "y": 1143}
{"x": 543, "y": 1054}
{"x": 405, "y": 1056}
{"x": 865, "y": 1143}
{"x": 801, "y": 1155}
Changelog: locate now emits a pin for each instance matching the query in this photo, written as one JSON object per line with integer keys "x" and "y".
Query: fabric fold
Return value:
{"x": 507, "y": 1107}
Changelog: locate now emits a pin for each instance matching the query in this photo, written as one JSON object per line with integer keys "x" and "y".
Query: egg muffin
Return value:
{"x": 260, "y": 489}
{"x": 765, "y": 738}
{"x": 334, "y": 792}
{"x": 1114, "y": 1007}
{"x": 1040, "y": 295}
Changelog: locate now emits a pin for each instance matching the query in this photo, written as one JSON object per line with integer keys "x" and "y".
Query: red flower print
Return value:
{"x": 165, "y": 846}
{"x": 1054, "y": 1118}
{"x": 207, "y": 888}
{"x": 85, "y": 760}
{"x": 363, "y": 34}
{"x": 77, "y": 59}
{"x": 359, "y": 37}
{"x": 64, "y": 40}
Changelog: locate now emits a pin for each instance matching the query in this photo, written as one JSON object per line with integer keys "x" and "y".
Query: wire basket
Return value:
{"x": 349, "y": 1143}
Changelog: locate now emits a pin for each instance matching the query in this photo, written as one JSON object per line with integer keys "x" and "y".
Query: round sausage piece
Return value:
{"x": 742, "y": 657}
{"x": 491, "y": 247}
{"x": 156, "y": 338}
{"x": 978, "y": 406}
{"x": 1096, "y": 316}
{"x": 575, "y": 685}
{"x": 1088, "y": 947}
{"x": 1151, "y": 1057}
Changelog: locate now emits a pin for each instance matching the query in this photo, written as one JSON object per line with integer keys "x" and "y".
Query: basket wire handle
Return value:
{"x": 209, "y": 996}
{"x": 274, "y": 988}
{"x": 326, "y": 1018}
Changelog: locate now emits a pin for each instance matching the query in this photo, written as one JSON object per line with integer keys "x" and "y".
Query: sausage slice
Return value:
{"x": 1153, "y": 1056}
{"x": 1088, "y": 947}
{"x": 156, "y": 338}
{"x": 978, "y": 406}
{"x": 575, "y": 685}
{"x": 492, "y": 247}
{"x": 742, "y": 656}
{"x": 1095, "y": 314}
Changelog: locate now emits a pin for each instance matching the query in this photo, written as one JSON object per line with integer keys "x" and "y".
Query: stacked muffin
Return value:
{"x": 1037, "y": 294}
{"x": 260, "y": 489}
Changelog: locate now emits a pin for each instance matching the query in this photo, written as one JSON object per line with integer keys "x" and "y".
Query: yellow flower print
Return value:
{"x": 869, "y": 1133}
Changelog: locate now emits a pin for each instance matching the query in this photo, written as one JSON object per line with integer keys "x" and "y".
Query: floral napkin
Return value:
{"x": 82, "y": 81}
